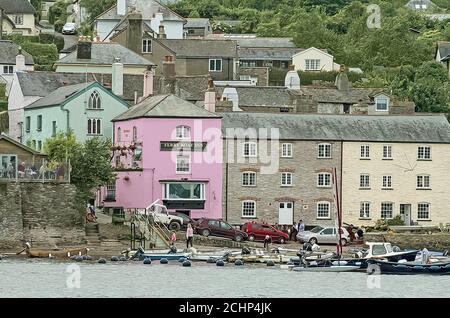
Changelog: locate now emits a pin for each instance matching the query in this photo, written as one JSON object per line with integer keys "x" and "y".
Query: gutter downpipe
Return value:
{"x": 226, "y": 181}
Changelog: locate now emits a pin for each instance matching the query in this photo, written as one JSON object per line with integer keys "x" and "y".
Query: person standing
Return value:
{"x": 293, "y": 232}
{"x": 189, "y": 235}
{"x": 301, "y": 226}
{"x": 267, "y": 242}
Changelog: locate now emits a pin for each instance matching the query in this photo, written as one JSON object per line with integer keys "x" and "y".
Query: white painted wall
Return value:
{"x": 173, "y": 29}
{"x": 326, "y": 60}
{"x": 104, "y": 27}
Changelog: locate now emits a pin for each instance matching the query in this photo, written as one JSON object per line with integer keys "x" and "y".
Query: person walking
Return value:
{"x": 293, "y": 232}
{"x": 189, "y": 235}
{"x": 267, "y": 242}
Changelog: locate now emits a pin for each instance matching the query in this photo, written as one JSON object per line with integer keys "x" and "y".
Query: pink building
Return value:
{"x": 167, "y": 148}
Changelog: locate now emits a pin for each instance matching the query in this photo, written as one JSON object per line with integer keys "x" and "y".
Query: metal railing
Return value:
{"x": 37, "y": 171}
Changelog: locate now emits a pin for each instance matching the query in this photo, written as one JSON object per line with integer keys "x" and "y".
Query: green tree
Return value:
{"x": 96, "y": 7}
{"x": 62, "y": 147}
{"x": 58, "y": 11}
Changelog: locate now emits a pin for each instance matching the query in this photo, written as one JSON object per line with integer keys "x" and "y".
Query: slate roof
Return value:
{"x": 444, "y": 49}
{"x": 17, "y": 6}
{"x": 190, "y": 88}
{"x": 333, "y": 95}
{"x": 259, "y": 42}
{"x": 146, "y": 7}
{"x": 165, "y": 106}
{"x": 268, "y": 53}
{"x": 9, "y": 51}
{"x": 104, "y": 53}
{"x": 18, "y": 144}
{"x": 271, "y": 96}
{"x": 196, "y": 23}
{"x": 392, "y": 128}
{"x": 59, "y": 95}
{"x": 201, "y": 47}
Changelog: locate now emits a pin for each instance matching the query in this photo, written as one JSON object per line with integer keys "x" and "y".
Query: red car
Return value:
{"x": 258, "y": 231}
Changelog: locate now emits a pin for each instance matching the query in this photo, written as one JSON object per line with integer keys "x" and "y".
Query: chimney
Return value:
{"x": 156, "y": 21}
{"x": 20, "y": 61}
{"x": 117, "y": 77}
{"x": 148, "y": 82}
{"x": 231, "y": 94}
{"x": 342, "y": 82}
{"x": 292, "y": 79}
{"x": 168, "y": 67}
{"x": 134, "y": 32}
{"x": 210, "y": 97}
{"x": 84, "y": 48}
{"x": 121, "y": 7}
{"x": 162, "y": 32}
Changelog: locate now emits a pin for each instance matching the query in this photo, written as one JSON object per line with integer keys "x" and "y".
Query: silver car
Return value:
{"x": 320, "y": 235}
{"x": 69, "y": 28}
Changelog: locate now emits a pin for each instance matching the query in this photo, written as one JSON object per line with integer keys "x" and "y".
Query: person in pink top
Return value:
{"x": 173, "y": 238}
{"x": 189, "y": 235}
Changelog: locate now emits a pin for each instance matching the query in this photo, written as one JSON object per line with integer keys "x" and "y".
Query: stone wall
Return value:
{"x": 46, "y": 214}
{"x": 435, "y": 241}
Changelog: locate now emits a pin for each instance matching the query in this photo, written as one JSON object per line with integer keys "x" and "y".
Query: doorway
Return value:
{"x": 286, "y": 213}
{"x": 405, "y": 213}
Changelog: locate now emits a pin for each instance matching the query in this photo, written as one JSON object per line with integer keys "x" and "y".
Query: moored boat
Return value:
{"x": 141, "y": 254}
{"x": 55, "y": 253}
{"x": 407, "y": 268}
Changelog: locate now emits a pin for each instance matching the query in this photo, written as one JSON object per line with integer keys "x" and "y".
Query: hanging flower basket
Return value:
{"x": 132, "y": 147}
{"x": 126, "y": 178}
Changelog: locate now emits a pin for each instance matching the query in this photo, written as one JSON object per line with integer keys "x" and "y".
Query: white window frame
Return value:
{"x": 318, "y": 205}
{"x": 385, "y": 204}
{"x": 244, "y": 208}
{"x": 387, "y": 152}
{"x": 166, "y": 191}
{"x": 247, "y": 177}
{"x": 215, "y": 68}
{"x": 364, "y": 210}
{"x": 97, "y": 131}
{"x": 249, "y": 149}
{"x": 419, "y": 210}
{"x": 8, "y": 69}
{"x": 324, "y": 151}
{"x": 387, "y": 182}
{"x": 422, "y": 180}
{"x": 286, "y": 179}
{"x": 146, "y": 44}
{"x": 95, "y": 100}
{"x": 183, "y": 132}
{"x": 364, "y": 181}
{"x": 286, "y": 150}
{"x": 377, "y": 99}
{"x": 364, "y": 152}
{"x": 324, "y": 176}
{"x": 312, "y": 64}
{"x": 179, "y": 169}
{"x": 423, "y": 153}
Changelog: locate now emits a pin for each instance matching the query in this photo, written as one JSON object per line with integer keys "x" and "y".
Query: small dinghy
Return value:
{"x": 141, "y": 254}
{"x": 55, "y": 253}
{"x": 332, "y": 268}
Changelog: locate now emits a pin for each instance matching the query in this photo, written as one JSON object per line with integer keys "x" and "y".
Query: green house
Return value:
{"x": 86, "y": 109}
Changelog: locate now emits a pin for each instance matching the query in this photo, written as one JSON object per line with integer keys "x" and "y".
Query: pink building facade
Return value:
{"x": 169, "y": 149}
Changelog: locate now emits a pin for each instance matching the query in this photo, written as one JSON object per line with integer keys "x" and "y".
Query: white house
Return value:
{"x": 153, "y": 13}
{"x": 421, "y": 5}
{"x": 18, "y": 17}
{"x": 314, "y": 59}
{"x": 443, "y": 54}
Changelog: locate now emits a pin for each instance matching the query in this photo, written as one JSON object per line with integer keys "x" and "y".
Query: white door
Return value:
{"x": 286, "y": 213}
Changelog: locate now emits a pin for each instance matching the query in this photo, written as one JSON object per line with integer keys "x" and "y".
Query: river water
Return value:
{"x": 44, "y": 278}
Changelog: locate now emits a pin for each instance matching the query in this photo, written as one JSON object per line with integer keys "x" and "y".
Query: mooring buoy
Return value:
{"x": 147, "y": 261}
{"x": 114, "y": 259}
{"x": 186, "y": 263}
{"x": 101, "y": 261}
{"x": 238, "y": 262}
{"x": 164, "y": 261}
{"x": 220, "y": 263}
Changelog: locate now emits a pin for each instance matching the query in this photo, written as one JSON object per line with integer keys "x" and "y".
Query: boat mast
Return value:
{"x": 338, "y": 214}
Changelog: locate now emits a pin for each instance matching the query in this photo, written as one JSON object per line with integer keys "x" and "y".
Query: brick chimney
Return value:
{"x": 210, "y": 97}
{"x": 84, "y": 48}
{"x": 162, "y": 32}
{"x": 168, "y": 66}
{"x": 134, "y": 32}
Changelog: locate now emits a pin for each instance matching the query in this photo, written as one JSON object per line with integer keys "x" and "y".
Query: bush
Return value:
{"x": 59, "y": 25}
{"x": 44, "y": 68}
{"x": 46, "y": 38}
{"x": 383, "y": 224}
{"x": 397, "y": 220}
{"x": 2, "y": 90}
{"x": 59, "y": 42}
{"x": 306, "y": 78}
{"x": 20, "y": 39}
{"x": 3, "y": 105}
{"x": 43, "y": 54}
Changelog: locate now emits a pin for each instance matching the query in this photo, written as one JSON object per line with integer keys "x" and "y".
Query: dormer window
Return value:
{"x": 94, "y": 101}
{"x": 183, "y": 132}
{"x": 382, "y": 103}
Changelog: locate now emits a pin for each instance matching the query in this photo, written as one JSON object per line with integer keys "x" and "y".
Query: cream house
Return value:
{"x": 401, "y": 170}
{"x": 314, "y": 60}
{"x": 18, "y": 17}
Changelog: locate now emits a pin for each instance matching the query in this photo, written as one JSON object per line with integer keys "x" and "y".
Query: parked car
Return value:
{"x": 161, "y": 215}
{"x": 207, "y": 227}
{"x": 69, "y": 28}
{"x": 320, "y": 235}
{"x": 258, "y": 231}
{"x": 186, "y": 219}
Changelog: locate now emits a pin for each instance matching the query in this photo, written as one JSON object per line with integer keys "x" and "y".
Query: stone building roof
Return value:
{"x": 272, "y": 96}
{"x": 196, "y": 23}
{"x": 390, "y": 128}
{"x": 201, "y": 48}
{"x": 9, "y": 51}
{"x": 17, "y": 6}
{"x": 3, "y": 136}
{"x": 268, "y": 53}
{"x": 59, "y": 95}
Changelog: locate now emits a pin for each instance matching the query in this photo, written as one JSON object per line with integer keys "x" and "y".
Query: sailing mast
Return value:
{"x": 338, "y": 211}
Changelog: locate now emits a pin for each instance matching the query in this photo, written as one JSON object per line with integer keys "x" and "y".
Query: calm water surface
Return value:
{"x": 30, "y": 278}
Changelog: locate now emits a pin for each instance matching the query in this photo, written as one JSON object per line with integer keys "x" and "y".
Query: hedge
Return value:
{"x": 3, "y": 105}
{"x": 277, "y": 76}
{"x": 43, "y": 54}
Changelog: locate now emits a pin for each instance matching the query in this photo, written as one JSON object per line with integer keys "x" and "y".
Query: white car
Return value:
{"x": 320, "y": 235}
{"x": 161, "y": 215}
{"x": 69, "y": 28}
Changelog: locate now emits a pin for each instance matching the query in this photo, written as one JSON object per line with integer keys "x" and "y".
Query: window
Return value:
{"x": 53, "y": 128}
{"x": 94, "y": 101}
{"x": 387, "y": 209}
{"x": 423, "y": 153}
{"x": 328, "y": 231}
{"x": 364, "y": 181}
{"x": 323, "y": 210}
{"x": 119, "y": 134}
{"x": 134, "y": 133}
{"x": 286, "y": 150}
{"x": 215, "y": 65}
{"x": 364, "y": 210}
{"x": 324, "y": 180}
{"x": 111, "y": 191}
{"x": 146, "y": 46}
{"x": 183, "y": 132}
{"x": 33, "y": 144}
{"x": 312, "y": 65}
{"x": 183, "y": 164}
{"x": 387, "y": 182}
{"x": 184, "y": 191}
{"x": 423, "y": 182}
{"x": 249, "y": 179}
{"x": 286, "y": 179}
{"x": 248, "y": 209}
{"x": 27, "y": 123}
{"x": 365, "y": 152}
{"x": 18, "y": 19}
{"x": 250, "y": 149}
{"x": 423, "y": 211}
{"x": 225, "y": 226}
{"x": 39, "y": 145}
{"x": 94, "y": 126}
{"x": 381, "y": 104}
{"x": 387, "y": 152}
{"x": 8, "y": 69}
{"x": 39, "y": 122}
{"x": 248, "y": 63}
{"x": 324, "y": 151}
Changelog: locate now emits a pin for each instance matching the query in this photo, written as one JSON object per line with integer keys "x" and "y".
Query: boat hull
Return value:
{"x": 334, "y": 269}
{"x": 381, "y": 267}
{"x": 64, "y": 253}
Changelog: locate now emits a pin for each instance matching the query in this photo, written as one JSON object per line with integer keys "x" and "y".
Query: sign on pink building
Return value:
{"x": 169, "y": 149}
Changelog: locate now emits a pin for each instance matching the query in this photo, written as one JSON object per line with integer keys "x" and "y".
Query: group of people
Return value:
{"x": 296, "y": 228}
{"x": 189, "y": 238}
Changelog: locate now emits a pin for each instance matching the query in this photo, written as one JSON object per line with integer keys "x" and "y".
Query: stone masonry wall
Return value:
{"x": 47, "y": 214}
{"x": 435, "y": 241}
